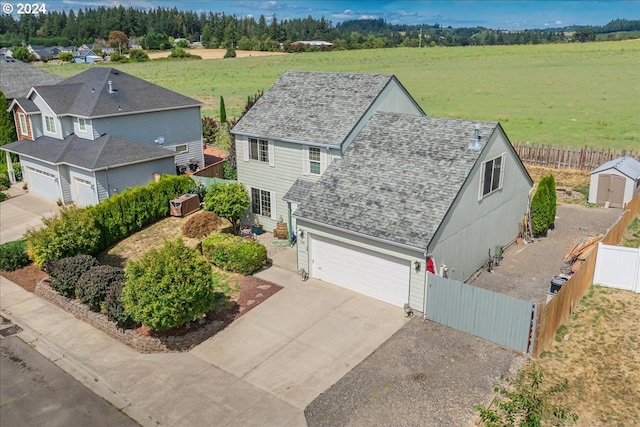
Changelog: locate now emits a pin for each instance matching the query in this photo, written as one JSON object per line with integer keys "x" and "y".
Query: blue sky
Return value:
{"x": 521, "y": 14}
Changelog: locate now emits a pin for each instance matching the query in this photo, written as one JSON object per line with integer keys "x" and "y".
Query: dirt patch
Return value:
{"x": 526, "y": 270}
{"x": 216, "y": 53}
{"x": 25, "y": 277}
{"x": 565, "y": 178}
{"x": 598, "y": 351}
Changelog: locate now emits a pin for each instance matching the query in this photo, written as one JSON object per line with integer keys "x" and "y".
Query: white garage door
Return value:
{"x": 42, "y": 182}
{"x": 84, "y": 192}
{"x": 370, "y": 273}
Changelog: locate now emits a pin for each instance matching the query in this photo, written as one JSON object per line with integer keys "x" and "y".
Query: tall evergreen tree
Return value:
{"x": 223, "y": 111}
{"x": 7, "y": 127}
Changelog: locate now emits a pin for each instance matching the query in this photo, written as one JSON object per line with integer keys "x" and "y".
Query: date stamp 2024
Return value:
{"x": 24, "y": 8}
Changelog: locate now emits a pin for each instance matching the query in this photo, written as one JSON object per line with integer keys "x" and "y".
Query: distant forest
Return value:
{"x": 155, "y": 29}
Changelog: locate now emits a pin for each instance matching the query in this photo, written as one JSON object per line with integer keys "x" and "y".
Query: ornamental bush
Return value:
{"x": 550, "y": 183}
{"x": 201, "y": 225}
{"x": 233, "y": 253}
{"x": 168, "y": 287}
{"x": 540, "y": 211}
{"x": 66, "y": 272}
{"x": 13, "y": 255}
{"x": 94, "y": 284}
{"x": 114, "y": 308}
{"x": 73, "y": 231}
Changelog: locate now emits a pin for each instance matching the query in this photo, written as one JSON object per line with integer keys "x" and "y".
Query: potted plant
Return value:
{"x": 25, "y": 187}
{"x": 257, "y": 227}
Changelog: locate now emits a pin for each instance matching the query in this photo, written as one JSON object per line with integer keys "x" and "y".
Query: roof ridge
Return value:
{"x": 107, "y": 138}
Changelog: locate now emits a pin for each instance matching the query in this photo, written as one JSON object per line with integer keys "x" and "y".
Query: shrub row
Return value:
{"x": 93, "y": 229}
{"x": 13, "y": 255}
{"x": 543, "y": 206}
{"x": 233, "y": 253}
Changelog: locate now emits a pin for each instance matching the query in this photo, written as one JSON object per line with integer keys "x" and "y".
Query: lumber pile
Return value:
{"x": 580, "y": 250}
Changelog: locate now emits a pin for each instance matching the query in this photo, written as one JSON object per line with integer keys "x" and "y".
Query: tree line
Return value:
{"x": 155, "y": 29}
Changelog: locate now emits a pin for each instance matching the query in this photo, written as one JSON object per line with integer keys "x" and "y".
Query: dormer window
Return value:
{"x": 82, "y": 124}
{"x": 50, "y": 124}
{"x": 24, "y": 130}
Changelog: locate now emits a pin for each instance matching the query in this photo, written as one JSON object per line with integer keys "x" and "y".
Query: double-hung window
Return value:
{"x": 314, "y": 160}
{"x": 82, "y": 124}
{"x": 260, "y": 202}
{"x": 492, "y": 176}
{"x": 259, "y": 149}
{"x": 50, "y": 124}
{"x": 23, "y": 124}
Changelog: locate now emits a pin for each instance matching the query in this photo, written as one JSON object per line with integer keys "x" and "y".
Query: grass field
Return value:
{"x": 566, "y": 94}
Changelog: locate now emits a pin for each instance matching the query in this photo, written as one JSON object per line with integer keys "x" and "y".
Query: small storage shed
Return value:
{"x": 615, "y": 182}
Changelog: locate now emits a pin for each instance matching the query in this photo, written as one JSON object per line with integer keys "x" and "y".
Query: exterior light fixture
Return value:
{"x": 416, "y": 264}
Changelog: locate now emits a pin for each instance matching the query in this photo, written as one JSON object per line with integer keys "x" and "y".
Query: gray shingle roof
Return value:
{"x": 17, "y": 78}
{"x": 298, "y": 191}
{"x": 105, "y": 151}
{"x": 312, "y": 106}
{"x": 87, "y": 95}
{"x": 27, "y": 105}
{"x": 626, "y": 165}
{"x": 398, "y": 178}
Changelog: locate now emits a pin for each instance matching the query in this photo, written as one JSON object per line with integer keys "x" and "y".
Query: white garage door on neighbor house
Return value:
{"x": 42, "y": 182}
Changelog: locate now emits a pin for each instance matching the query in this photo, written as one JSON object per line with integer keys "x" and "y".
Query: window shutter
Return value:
{"x": 305, "y": 160}
{"x": 502, "y": 166}
{"x": 482, "y": 167}
{"x": 323, "y": 161}
{"x": 272, "y": 161}
{"x": 245, "y": 149}
{"x": 272, "y": 195}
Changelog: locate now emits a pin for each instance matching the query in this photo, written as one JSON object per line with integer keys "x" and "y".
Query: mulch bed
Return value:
{"x": 253, "y": 292}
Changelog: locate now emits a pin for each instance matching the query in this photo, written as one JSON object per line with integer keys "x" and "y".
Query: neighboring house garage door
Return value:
{"x": 42, "y": 182}
{"x": 370, "y": 273}
{"x": 84, "y": 192}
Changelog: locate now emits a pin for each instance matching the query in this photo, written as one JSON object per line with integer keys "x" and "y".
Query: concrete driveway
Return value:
{"x": 23, "y": 211}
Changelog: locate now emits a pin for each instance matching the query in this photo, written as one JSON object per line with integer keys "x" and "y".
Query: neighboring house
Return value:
{"x": 312, "y": 43}
{"x": 6, "y": 53}
{"x": 300, "y": 126}
{"x": 17, "y": 78}
{"x": 615, "y": 182}
{"x": 100, "y": 132}
{"x": 86, "y": 56}
{"x": 408, "y": 189}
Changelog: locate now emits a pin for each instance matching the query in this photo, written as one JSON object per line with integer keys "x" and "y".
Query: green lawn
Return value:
{"x": 566, "y": 94}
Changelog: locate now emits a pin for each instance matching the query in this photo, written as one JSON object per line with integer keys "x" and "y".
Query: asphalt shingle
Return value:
{"x": 17, "y": 78}
{"x": 398, "y": 178}
{"x": 298, "y": 191}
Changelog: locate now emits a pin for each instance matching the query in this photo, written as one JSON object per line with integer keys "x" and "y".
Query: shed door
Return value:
{"x": 84, "y": 191}
{"x": 43, "y": 182}
{"x": 604, "y": 183}
{"x": 370, "y": 273}
{"x": 616, "y": 195}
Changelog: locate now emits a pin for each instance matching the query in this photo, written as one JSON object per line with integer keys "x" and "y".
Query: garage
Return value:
{"x": 367, "y": 272}
{"x": 42, "y": 182}
{"x": 84, "y": 192}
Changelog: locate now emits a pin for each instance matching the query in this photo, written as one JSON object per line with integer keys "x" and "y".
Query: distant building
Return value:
{"x": 319, "y": 43}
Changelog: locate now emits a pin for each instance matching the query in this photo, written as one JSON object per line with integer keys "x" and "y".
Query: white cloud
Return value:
{"x": 368, "y": 17}
{"x": 558, "y": 22}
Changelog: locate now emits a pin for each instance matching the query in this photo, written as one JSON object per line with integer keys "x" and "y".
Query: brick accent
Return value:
{"x": 135, "y": 340}
{"x": 29, "y": 135}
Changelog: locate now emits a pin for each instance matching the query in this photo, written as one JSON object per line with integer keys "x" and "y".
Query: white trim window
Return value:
{"x": 259, "y": 149}
{"x": 492, "y": 176}
{"x": 22, "y": 119}
{"x": 50, "y": 124}
{"x": 82, "y": 124}
{"x": 314, "y": 160}
{"x": 183, "y": 148}
{"x": 263, "y": 202}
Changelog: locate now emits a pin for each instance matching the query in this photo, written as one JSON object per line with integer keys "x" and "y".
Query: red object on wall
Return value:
{"x": 431, "y": 268}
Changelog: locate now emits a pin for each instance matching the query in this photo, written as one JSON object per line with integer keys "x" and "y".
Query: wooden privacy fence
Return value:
{"x": 586, "y": 158}
{"x": 214, "y": 170}
{"x": 551, "y": 315}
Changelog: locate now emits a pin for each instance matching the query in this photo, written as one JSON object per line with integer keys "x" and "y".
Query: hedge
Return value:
{"x": 540, "y": 209}
{"x": 66, "y": 272}
{"x": 94, "y": 285}
{"x": 13, "y": 255}
{"x": 233, "y": 253}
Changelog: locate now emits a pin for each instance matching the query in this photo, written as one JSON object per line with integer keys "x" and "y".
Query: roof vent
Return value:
{"x": 111, "y": 89}
{"x": 475, "y": 143}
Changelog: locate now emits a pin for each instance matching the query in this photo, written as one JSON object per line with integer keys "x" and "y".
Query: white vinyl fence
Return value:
{"x": 618, "y": 267}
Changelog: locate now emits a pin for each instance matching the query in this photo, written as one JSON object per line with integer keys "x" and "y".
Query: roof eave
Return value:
{"x": 126, "y": 113}
{"x": 119, "y": 165}
{"x": 293, "y": 141}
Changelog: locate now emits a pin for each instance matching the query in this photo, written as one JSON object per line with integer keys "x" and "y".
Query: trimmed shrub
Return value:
{"x": 94, "y": 284}
{"x": 540, "y": 211}
{"x": 4, "y": 181}
{"x": 69, "y": 233}
{"x": 229, "y": 201}
{"x": 168, "y": 287}
{"x": 114, "y": 307}
{"x": 3, "y": 197}
{"x": 551, "y": 186}
{"x": 201, "y": 225}
{"x": 66, "y": 272}
{"x": 233, "y": 253}
{"x": 13, "y": 255}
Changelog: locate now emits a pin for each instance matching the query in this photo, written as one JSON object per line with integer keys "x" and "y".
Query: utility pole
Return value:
{"x": 420, "y": 38}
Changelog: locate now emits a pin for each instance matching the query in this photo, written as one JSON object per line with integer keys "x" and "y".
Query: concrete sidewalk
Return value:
{"x": 262, "y": 370}
{"x": 23, "y": 210}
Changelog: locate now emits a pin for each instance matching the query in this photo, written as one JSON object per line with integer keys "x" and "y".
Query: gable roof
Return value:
{"x": 398, "y": 178}
{"x": 17, "y": 78}
{"x": 306, "y": 106}
{"x": 104, "y": 152}
{"x": 625, "y": 165}
{"x": 27, "y": 105}
{"x": 298, "y": 191}
{"x": 87, "y": 95}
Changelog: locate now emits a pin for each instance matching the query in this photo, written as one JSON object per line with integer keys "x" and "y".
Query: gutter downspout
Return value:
{"x": 529, "y": 217}
{"x": 290, "y": 221}
{"x": 426, "y": 280}
{"x": 106, "y": 178}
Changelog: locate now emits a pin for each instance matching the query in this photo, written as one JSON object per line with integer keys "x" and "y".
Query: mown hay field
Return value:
{"x": 565, "y": 94}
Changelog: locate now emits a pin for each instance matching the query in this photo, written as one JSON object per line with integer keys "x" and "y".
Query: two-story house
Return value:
{"x": 379, "y": 198}
{"x": 100, "y": 132}
{"x": 301, "y": 125}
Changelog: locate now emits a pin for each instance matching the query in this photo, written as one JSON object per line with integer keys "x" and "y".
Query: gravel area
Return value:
{"x": 526, "y": 270}
{"x": 272, "y": 244}
{"x": 425, "y": 374}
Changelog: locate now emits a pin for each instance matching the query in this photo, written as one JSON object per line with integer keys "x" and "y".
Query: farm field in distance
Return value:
{"x": 565, "y": 94}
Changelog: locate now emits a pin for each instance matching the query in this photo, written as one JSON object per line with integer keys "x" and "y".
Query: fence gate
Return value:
{"x": 495, "y": 317}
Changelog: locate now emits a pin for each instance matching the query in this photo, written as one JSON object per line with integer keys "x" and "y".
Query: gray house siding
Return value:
{"x": 67, "y": 126}
{"x": 392, "y": 99}
{"x": 87, "y": 132}
{"x": 288, "y": 161}
{"x": 65, "y": 183}
{"x": 117, "y": 180}
{"x": 417, "y": 283}
{"x": 471, "y": 227}
{"x": 46, "y": 111}
{"x": 36, "y": 125}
